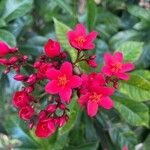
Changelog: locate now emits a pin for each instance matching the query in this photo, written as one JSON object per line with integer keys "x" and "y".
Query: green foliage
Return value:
{"x": 122, "y": 26}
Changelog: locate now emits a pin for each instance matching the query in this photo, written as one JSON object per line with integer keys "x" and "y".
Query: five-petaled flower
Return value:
{"x": 80, "y": 40}
{"x": 114, "y": 66}
{"x": 95, "y": 94}
{"x": 62, "y": 81}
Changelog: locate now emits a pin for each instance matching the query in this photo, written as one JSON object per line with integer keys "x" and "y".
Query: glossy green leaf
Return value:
{"x": 61, "y": 33}
{"x": 137, "y": 88}
{"x": 16, "y": 8}
{"x": 135, "y": 113}
{"x": 131, "y": 50}
{"x": 92, "y": 12}
{"x": 121, "y": 135}
{"x": 139, "y": 12}
{"x": 142, "y": 72}
{"x": 2, "y": 23}
{"x": 7, "y": 37}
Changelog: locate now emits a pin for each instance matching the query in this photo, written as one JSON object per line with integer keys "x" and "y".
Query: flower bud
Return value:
{"x": 20, "y": 77}
{"x": 13, "y": 60}
{"x": 24, "y": 57}
{"x": 4, "y": 49}
{"x": 4, "y": 61}
{"x": 92, "y": 63}
{"x": 62, "y": 107}
{"x": 92, "y": 57}
{"x": 63, "y": 55}
{"x": 42, "y": 114}
{"x": 51, "y": 108}
{"x": 7, "y": 71}
{"x": 29, "y": 89}
{"x": 13, "y": 50}
{"x": 63, "y": 120}
{"x": 37, "y": 64}
{"x": 32, "y": 79}
{"x": 31, "y": 124}
{"x": 26, "y": 112}
{"x": 52, "y": 48}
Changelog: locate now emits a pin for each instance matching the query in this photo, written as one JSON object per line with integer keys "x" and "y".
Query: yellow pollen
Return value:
{"x": 95, "y": 97}
{"x": 62, "y": 80}
{"x": 116, "y": 67}
{"x": 80, "y": 40}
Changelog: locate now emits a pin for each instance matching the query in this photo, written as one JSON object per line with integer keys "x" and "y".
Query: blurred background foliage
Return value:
{"x": 122, "y": 24}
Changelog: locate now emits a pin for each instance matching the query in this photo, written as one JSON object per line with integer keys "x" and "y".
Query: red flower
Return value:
{"x": 125, "y": 148}
{"x": 45, "y": 128}
{"x": 43, "y": 69}
{"x": 114, "y": 66}
{"x": 26, "y": 112}
{"x": 20, "y": 99}
{"x": 4, "y": 48}
{"x": 95, "y": 94}
{"x": 80, "y": 40}
{"x": 52, "y": 48}
{"x": 63, "y": 81}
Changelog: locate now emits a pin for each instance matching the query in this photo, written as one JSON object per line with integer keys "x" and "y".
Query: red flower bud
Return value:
{"x": 52, "y": 48}
{"x": 92, "y": 63}
{"x": 7, "y": 71}
{"x": 13, "y": 60}
{"x": 92, "y": 56}
{"x": 42, "y": 114}
{"x": 37, "y": 64}
{"x": 31, "y": 124}
{"x": 13, "y": 49}
{"x": 26, "y": 112}
{"x": 29, "y": 89}
{"x": 24, "y": 57}
{"x": 20, "y": 99}
{"x": 51, "y": 108}
{"x": 63, "y": 55}
{"x": 63, "y": 120}
{"x": 32, "y": 79}
{"x": 62, "y": 107}
{"x": 4, "y": 61}
{"x": 20, "y": 77}
{"x": 4, "y": 49}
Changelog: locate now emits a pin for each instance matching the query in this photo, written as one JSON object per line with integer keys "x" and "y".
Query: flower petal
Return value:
{"x": 66, "y": 68}
{"x": 83, "y": 100}
{"x": 75, "y": 81}
{"x": 106, "y": 70}
{"x": 106, "y": 90}
{"x": 52, "y": 74}
{"x": 122, "y": 76}
{"x": 118, "y": 57}
{"x": 108, "y": 58}
{"x": 106, "y": 102}
{"x": 88, "y": 46}
{"x": 92, "y": 108}
{"x": 65, "y": 95}
{"x": 52, "y": 87}
{"x": 80, "y": 29}
{"x": 100, "y": 79}
{"x": 91, "y": 36}
{"x": 127, "y": 67}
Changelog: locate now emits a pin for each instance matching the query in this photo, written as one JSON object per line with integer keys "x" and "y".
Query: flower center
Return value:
{"x": 62, "y": 80}
{"x": 95, "y": 97}
{"x": 44, "y": 127}
{"x": 116, "y": 67}
{"x": 80, "y": 40}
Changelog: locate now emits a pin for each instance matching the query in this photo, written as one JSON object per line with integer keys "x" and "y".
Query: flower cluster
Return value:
{"x": 55, "y": 78}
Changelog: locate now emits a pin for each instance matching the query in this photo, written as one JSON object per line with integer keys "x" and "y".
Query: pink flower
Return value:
{"x": 26, "y": 112}
{"x": 20, "y": 99}
{"x": 114, "y": 66}
{"x": 62, "y": 81}
{"x": 45, "y": 128}
{"x": 80, "y": 40}
{"x": 52, "y": 48}
{"x": 95, "y": 94}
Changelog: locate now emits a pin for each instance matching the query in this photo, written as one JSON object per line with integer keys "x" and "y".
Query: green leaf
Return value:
{"x": 16, "y": 8}
{"x": 61, "y": 33}
{"x": 121, "y": 135}
{"x": 139, "y": 12}
{"x": 92, "y": 12}
{"x": 73, "y": 114}
{"x": 136, "y": 114}
{"x": 87, "y": 146}
{"x": 7, "y": 37}
{"x": 65, "y": 6}
{"x": 137, "y": 88}
{"x": 131, "y": 50}
{"x": 2, "y": 23}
